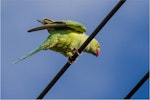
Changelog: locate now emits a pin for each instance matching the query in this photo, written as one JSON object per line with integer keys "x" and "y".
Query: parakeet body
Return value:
{"x": 65, "y": 36}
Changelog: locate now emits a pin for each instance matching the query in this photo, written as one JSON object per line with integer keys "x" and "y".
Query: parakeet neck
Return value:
{"x": 88, "y": 48}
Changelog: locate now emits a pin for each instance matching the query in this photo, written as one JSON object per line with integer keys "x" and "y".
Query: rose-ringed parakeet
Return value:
{"x": 66, "y": 37}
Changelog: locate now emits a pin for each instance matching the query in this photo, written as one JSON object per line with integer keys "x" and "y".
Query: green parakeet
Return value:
{"x": 65, "y": 37}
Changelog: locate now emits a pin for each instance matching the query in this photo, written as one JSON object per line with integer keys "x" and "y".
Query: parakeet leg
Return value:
{"x": 75, "y": 50}
{"x": 70, "y": 60}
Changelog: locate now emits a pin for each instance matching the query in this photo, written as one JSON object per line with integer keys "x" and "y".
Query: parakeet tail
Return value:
{"x": 27, "y": 55}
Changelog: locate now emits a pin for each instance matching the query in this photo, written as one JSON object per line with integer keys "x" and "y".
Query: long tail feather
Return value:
{"x": 27, "y": 55}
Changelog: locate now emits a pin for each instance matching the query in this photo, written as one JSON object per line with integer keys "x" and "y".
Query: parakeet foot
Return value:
{"x": 70, "y": 60}
{"x": 75, "y": 50}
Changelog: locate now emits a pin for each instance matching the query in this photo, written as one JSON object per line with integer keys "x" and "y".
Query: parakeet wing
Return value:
{"x": 64, "y": 24}
{"x": 47, "y": 26}
{"x": 76, "y": 26}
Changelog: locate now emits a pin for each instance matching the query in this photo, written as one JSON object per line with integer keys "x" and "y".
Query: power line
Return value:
{"x": 139, "y": 84}
{"x": 95, "y": 32}
{"x": 49, "y": 86}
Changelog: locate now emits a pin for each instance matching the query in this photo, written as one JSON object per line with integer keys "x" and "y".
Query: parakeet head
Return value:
{"x": 94, "y": 48}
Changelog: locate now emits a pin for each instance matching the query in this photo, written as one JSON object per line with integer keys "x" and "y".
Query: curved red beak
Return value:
{"x": 98, "y": 52}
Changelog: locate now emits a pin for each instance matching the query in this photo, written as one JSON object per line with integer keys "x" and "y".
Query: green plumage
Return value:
{"x": 65, "y": 37}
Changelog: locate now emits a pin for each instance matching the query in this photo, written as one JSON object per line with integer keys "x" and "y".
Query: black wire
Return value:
{"x": 66, "y": 66}
{"x": 131, "y": 93}
{"x": 49, "y": 86}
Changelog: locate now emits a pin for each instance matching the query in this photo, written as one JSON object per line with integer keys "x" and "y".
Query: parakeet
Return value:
{"x": 66, "y": 37}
